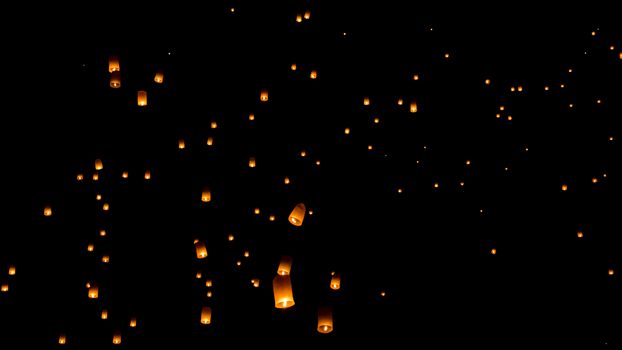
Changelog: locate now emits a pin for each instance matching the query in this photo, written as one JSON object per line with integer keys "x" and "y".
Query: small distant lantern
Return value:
{"x": 116, "y": 338}
{"x": 610, "y": 272}
{"x": 206, "y": 195}
{"x": 366, "y": 101}
{"x": 208, "y": 283}
{"x": 564, "y": 187}
{"x": 298, "y": 18}
{"x": 487, "y": 81}
{"x": 113, "y": 64}
{"x": 62, "y": 339}
{"x": 47, "y": 211}
{"x": 90, "y": 247}
{"x": 133, "y": 322}
{"x": 106, "y": 259}
{"x": 247, "y": 253}
{"x": 238, "y": 263}
{"x": 325, "y": 320}
{"x": 255, "y": 282}
{"x": 286, "y": 180}
{"x": 79, "y": 177}
{"x": 285, "y": 265}
{"x": 283, "y": 294}
{"x": 416, "y": 77}
{"x": 11, "y": 270}
{"x": 493, "y": 251}
{"x": 124, "y": 174}
{"x": 206, "y": 315}
{"x": 230, "y": 237}
{"x": 4, "y": 287}
{"x": 400, "y": 101}
{"x": 93, "y": 292}
{"x": 199, "y": 275}
{"x": 346, "y": 131}
{"x": 303, "y": 153}
{"x": 251, "y": 117}
{"x": 413, "y": 107}
{"x": 335, "y": 282}
{"x": 102, "y": 233}
{"x": 257, "y": 211}
{"x": 546, "y": 88}
{"x": 98, "y": 197}
{"x": 580, "y": 234}
{"x": 142, "y": 98}
{"x": 297, "y": 215}
{"x": 307, "y": 14}
{"x": 263, "y": 97}
{"x": 293, "y": 66}
{"x": 99, "y": 165}
{"x": 210, "y": 141}
{"x": 106, "y": 207}
{"x": 201, "y": 250}
{"x": 159, "y": 77}
{"x": 271, "y": 217}
{"x": 104, "y": 315}
{"x": 446, "y": 55}
{"x": 147, "y": 174}
{"x": 251, "y": 162}
{"x": 520, "y": 88}
{"x": 209, "y": 294}
{"x": 181, "y": 144}
{"x": 313, "y": 74}
{"x": 376, "y": 120}
{"x": 115, "y": 79}
{"x": 213, "y": 124}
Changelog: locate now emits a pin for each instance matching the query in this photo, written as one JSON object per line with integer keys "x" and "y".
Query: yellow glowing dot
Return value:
{"x": 598, "y": 101}
{"x": 310, "y": 212}
{"x": 210, "y": 141}
{"x": 399, "y": 190}
{"x": 303, "y": 153}
{"x": 562, "y": 86}
{"x": 286, "y": 180}
{"x": 98, "y": 197}
{"x": 133, "y": 322}
{"x": 502, "y": 108}
{"x": 293, "y": 66}
{"x": 124, "y": 174}
{"x": 238, "y": 263}
{"x": 80, "y": 177}
{"x": 382, "y": 294}
{"x": 102, "y": 233}
{"x": 621, "y": 55}
{"x": 498, "y": 115}
{"x": 579, "y": 234}
{"x": 255, "y": 282}
{"x": 313, "y": 74}
{"x": 105, "y": 207}
{"x": 416, "y": 77}
{"x": 62, "y": 339}
{"x": 569, "y": 70}
{"x": 611, "y": 47}
{"x": 272, "y": 218}
{"x": 610, "y": 272}
{"x": 209, "y": 294}
{"x": 366, "y": 101}
{"x": 593, "y": 33}
{"x": 594, "y": 180}
{"x": 317, "y": 162}
{"x": 436, "y": 185}
{"x": 257, "y": 211}
{"x": 564, "y": 187}
{"x": 481, "y": 211}
{"x": 509, "y": 117}
{"x": 4, "y": 288}
{"x": 208, "y": 283}
{"x": 347, "y": 131}
{"x": 214, "y": 124}
{"x": 181, "y": 144}
{"x": 230, "y": 237}
{"x": 251, "y": 117}
{"x": 487, "y": 82}
{"x": 95, "y": 176}
{"x": 104, "y": 314}
{"x": 605, "y": 175}
{"x": 512, "y": 89}
{"x": 520, "y": 88}
{"x": 610, "y": 138}
{"x": 493, "y": 251}
{"x": 400, "y": 101}
{"x": 370, "y": 147}
{"x": 376, "y": 120}
{"x": 232, "y": 10}
{"x": 468, "y": 162}
{"x": 462, "y": 184}
{"x": 198, "y": 275}
{"x": 11, "y": 270}
{"x": 447, "y": 55}
{"x": 247, "y": 254}
{"x": 546, "y": 88}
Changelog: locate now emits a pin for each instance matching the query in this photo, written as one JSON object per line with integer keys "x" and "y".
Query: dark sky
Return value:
{"x": 378, "y": 218}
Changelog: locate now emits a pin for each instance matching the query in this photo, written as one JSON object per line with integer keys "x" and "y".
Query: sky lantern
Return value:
{"x": 115, "y": 79}
{"x": 313, "y": 74}
{"x": 209, "y": 283}
{"x": 283, "y": 294}
{"x": 200, "y": 248}
{"x": 335, "y": 282}
{"x": 99, "y": 165}
{"x": 610, "y": 272}
{"x": 487, "y": 81}
{"x": 47, "y": 210}
{"x": 124, "y": 174}
{"x": 285, "y": 265}
{"x": 579, "y": 234}
{"x": 564, "y": 187}
{"x": 79, "y": 177}
{"x": 62, "y": 339}
{"x": 104, "y": 314}
{"x": 210, "y": 141}
{"x": 298, "y": 18}
{"x": 159, "y": 77}
{"x": 366, "y": 101}
{"x": 4, "y": 288}
{"x": 206, "y": 195}
{"x": 252, "y": 162}
{"x": 297, "y": 215}
{"x": 11, "y": 270}
{"x": 255, "y": 282}
{"x": 93, "y": 292}
{"x": 325, "y": 320}
{"x": 263, "y": 96}
{"x": 307, "y": 14}
{"x": 413, "y": 107}
{"x": 286, "y": 180}
{"x": 230, "y": 237}
{"x": 293, "y": 66}
{"x": 251, "y": 117}
{"x": 133, "y": 322}
{"x": 113, "y": 64}
{"x": 181, "y": 144}
{"x": 206, "y": 315}
{"x": 141, "y": 98}
{"x": 346, "y": 131}
{"x": 116, "y": 338}
{"x": 147, "y": 175}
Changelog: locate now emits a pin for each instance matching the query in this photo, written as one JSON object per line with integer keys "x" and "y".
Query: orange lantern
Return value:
{"x": 206, "y": 315}
{"x": 210, "y": 141}
{"x": 366, "y": 101}
{"x": 159, "y": 77}
{"x": 307, "y": 14}
{"x": 206, "y": 195}
{"x": 124, "y": 175}
{"x": 297, "y": 215}
{"x": 283, "y": 295}
{"x": 142, "y": 98}
{"x": 325, "y": 320}
{"x": 4, "y": 288}
{"x": 113, "y": 64}
{"x": 285, "y": 265}
{"x": 62, "y": 339}
{"x": 200, "y": 248}
{"x": 263, "y": 96}
{"x": 115, "y": 79}
{"x": 104, "y": 314}
{"x": 47, "y": 211}
{"x": 99, "y": 165}
{"x": 252, "y": 162}
{"x": 93, "y": 292}
{"x": 147, "y": 175}
{"x": 133, "y": 322}
{"x": 116, "y": 338}
{"x": 181, "y": 144}
{"x": 335, "y": 282}
{"x": 413, "y": 107}
{"x": 313, "y": 74}
{"x": 12, "y": 270}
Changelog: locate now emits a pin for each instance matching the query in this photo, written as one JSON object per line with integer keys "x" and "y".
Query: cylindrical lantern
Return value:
{"x": 366, "y": 101}
{"x": 297, "y": 215}
{"x": 159, "y": 77}
{"x": 142, "y": 98}
{"x": 307, "y": 14}
{"x": 263, "y": 97}
{"x": 93, "y": 292}
{"x": 285, "y": 265}
{"x": 4, "y": 287}
{"x": 200, "y": 249}
{"x": 210, "y": 141}
{"x": 325, "y": 320}
{"x": 99, "y": 165}
{"x": 251, "y": 162}
{"x": 283, "y": 295}
{"x": 209, "y": 283}
{"x": 90, "y": 247}
{"x": 125, "y": 175}
{"x": 115, "y": 79}
{"x": 116, "y": 338}
{"x": 62, "y": 339}
{"x": 213, "y": 124}
{"x": 104, "y": 314}
{"x": 133, "y": 322}
{"x": 313, "y": 74}
{"x": 206, "y": 315}
{"x": 206, "y": 195}
{"x": 47, "y": 211}
{"x": 11, "y": 270}
{"x": 181, "y": 144}
{"x": 95, "y": 176}
{"x": 413, "y": 107}
{"x": 335, "y": 282}
{"x": 113, "y": 64}
{"x": 147, "y": 174}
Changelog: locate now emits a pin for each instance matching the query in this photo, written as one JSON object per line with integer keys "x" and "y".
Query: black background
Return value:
{"x": 428, "y": 249}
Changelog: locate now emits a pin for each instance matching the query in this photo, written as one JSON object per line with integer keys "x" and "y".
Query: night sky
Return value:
{"x": 487, "y": 215}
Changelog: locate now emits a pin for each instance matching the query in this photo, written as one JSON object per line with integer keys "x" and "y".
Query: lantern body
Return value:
{"x": 201, "y": 250}
{"x": 206, "y": 315}
{"x": 116, "y": 338}
{"x": 147, "y": 175}
{"x": 283, "y": 295}
{"x": 285, "y": 265}
{"x": 4, "y": 288}
{"x": 115, "y": 79}
{"x": 99, "y": 165}
{"x": 47, "y": 211}
{"x": 210, "y": 141}
{"x": 366, "y": 101}
{"x": 297, "y": 215}
{"x": 263, "y": 97}
{"x": 293, "y": 66}
{"x": 133, "y": 322}
{"x": 11, "y": 270}
{"x": 159, "y": 77}
{"x": 113, "y": 64}
{"x": 413, "y": 107}
{"x": 252, "y": 162}
{"x": 206, "y": 195}
{"x": 124, "y": 175}
{"x": 335, "y": 282}
{"x": 62, "y": 339}
{"x": 230, "y": 237}
{"x": 181, "y": 144}
{"x": 93, "y": 292}
{"x": 325, "y": 320}
{"x": 104, "y": 314}
{"x": 142, "y": 98}
{"x": 313, "y": 74}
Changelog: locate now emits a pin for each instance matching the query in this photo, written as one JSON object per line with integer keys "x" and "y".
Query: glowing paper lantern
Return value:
{"x": 206, "y": 195}
{"x": 580, "y": 234}
{"x": 113, "y": 64}
{"x": 298, "y": 18}
{"x": 116, "y": 338}
{"x": 206, "y": 315}
{"x": 142, "y": 98}
{"x": 93, "y": 292}
{"x": 283, "y": 295}
{"x": 79, "y": 177}
{"x": 4, "y": 288}
{"x": 286, "y": 181}
{"x": 200, "y": 248}
{"x": 210, "y": 141}
{"x": 263, "y": 97}
{"x": 62, "y": 339}
{"x": 181, "y": 144}
{"x": 252, "y": 162}
{"x": 610, "y": 272}
{"x": 99, "y": 165}
{"x": 297, "y": 215}
{"x": 307, "y": 14}
{"x": 413, "y": 107}
{"x": 115, "y": 80}
{"x": 104, "y": 314}
{"x": 293, "y": 66}
{"x": 133, "y": 322}
{"x": 124, "y": 175}
{"x": 47, "y": 211}
{"x": 335, "y": 282}
{"x": 564, "y": 187}
{"x": 313, "y": 74}
{"x": 159, "y": 77}
{"x": 213, "y": 124}
{"x": 147, "y": 174}
{"x": 366, "y": 101}
{"x": 12, "y": 270}
{"x": 325, "y": 320}
{"x": 285, "y": 265}
{"x": 208, "y": 283}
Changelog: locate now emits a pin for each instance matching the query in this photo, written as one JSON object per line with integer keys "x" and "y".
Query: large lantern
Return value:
{"x": 93, "y": 292}
{"x": 142, "y": 98}
{"x": 113, "y": 64}
{"x": 297, "y": 215}
{"x": 325, "y": 320}
{"x": 283, "y": 295}
{"x": 206, "y": 315}
{"x": 200, "y": 249}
